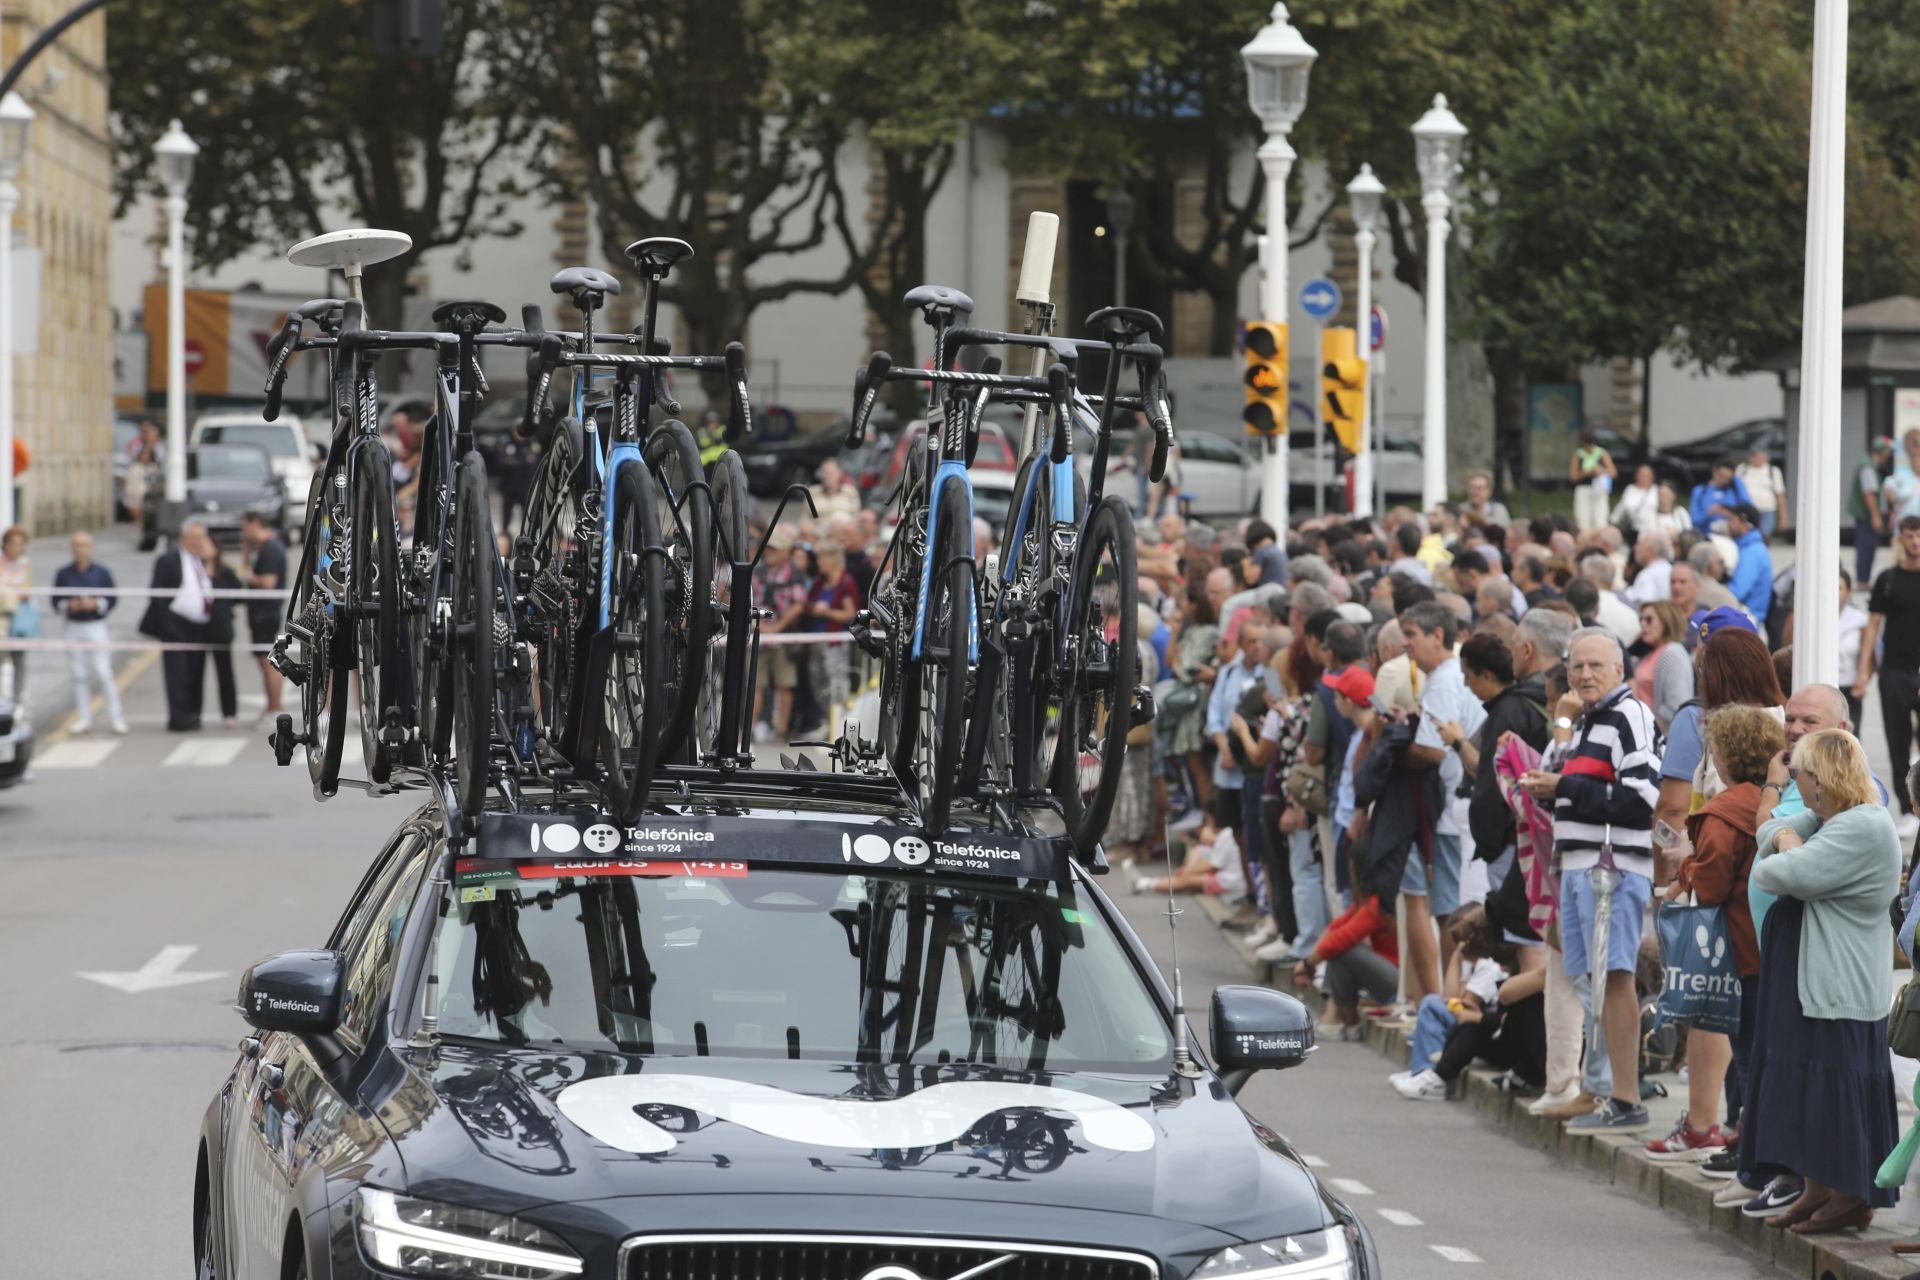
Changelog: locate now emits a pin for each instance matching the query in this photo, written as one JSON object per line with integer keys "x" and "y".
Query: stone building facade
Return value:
{"x": 63, "y": 389}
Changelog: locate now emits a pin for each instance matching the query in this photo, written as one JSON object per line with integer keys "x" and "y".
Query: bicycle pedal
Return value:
{"x": 1143, "y": 709}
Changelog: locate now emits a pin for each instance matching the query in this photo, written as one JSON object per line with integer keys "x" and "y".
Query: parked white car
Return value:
{"x": 293, "y": 454}
{"x": 1221, "y": 474}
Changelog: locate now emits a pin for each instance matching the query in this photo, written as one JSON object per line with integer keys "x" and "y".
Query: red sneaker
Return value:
{"x": 1686, "y": 1143}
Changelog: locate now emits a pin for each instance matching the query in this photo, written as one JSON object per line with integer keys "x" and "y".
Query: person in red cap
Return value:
{"x": 1355, "y": 684}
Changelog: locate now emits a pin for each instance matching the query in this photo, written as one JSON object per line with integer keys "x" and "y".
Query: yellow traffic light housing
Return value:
{"x": 1343, "y": 385}
{"x": 1266, "y": 379}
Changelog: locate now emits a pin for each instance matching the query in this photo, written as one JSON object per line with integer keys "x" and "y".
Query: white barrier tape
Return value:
{"x": 8, "y": 644}
{"x": 145, "y": 593}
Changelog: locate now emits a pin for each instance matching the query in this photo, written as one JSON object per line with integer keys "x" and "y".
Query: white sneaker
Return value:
{"x": 1143, "y": 884}
{"x": 1263, "y": 933}
{"x": 120, "y": 727}
{"x": 1908, "y": 826}
{"x": 1399, "y": 1078}
{"x": 1279, "y": 951}
{"x": 1320, "y": 977}
{"x": 1548, "y": 1100}
{"x": 1425, "y": 1087}
{"x": 82, "y": 730}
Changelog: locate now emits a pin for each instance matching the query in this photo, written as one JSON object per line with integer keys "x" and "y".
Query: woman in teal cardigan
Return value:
{"x": 1820, "y": 1097}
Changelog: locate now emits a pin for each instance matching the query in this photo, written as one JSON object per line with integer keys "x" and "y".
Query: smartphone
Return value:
{"x": 1664, "y": 835}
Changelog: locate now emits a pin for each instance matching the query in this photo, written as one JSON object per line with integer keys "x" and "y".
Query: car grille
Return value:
{"x": 759, "y": 1257}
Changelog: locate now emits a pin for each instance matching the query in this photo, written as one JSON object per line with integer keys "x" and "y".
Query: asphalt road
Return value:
{"x": 1446, "y": 1195}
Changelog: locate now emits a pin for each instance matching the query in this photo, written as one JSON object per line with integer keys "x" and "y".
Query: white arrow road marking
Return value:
{"x": 1454, "y": 1253}
{"x": 162, "y": 971}
{"x": 1400, "y": 1218}
{"x": 1351, "y": 1186}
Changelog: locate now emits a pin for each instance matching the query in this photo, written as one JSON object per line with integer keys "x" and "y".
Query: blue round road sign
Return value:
{"x": 1320, "y": 298}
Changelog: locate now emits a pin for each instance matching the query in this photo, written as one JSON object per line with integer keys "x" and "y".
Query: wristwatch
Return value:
{"x": 1563, "y": 723}
{"x": 1776, "y": 786}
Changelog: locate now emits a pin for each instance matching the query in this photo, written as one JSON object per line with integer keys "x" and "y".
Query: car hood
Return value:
{"x": 514, "y": 1129}
{"x": 228, "y": 492}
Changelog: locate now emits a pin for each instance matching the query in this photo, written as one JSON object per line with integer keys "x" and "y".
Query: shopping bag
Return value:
{"x": 1702, "y": 987}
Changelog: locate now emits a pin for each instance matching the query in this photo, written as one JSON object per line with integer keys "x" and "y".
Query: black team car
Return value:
{"x": 776, "y": 1038}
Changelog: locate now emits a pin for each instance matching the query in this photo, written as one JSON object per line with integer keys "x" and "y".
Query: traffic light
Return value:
{"x": 1266, "y": 379}
{"x": 1343, "y": 386}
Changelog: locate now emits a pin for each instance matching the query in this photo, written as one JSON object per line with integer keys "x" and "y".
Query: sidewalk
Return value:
{"x": 1622, "y": 1160}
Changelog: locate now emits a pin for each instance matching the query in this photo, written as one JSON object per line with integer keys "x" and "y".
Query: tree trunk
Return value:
{"x": 1226, "y": 319}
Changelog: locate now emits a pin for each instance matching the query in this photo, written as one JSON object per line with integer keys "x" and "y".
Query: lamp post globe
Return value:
{"x": 1364, "y": 195}
{"x": 1278, "y": 61}
{"x": 16, "y": 123}
{"x": 175, "y": 152}
{"x": 1438, "y": 139}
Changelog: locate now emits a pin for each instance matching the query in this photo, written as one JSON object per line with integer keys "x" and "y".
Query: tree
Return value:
{"x": 304, "y": 127}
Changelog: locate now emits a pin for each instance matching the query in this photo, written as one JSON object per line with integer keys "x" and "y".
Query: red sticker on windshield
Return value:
{"x": 675, "y": 867}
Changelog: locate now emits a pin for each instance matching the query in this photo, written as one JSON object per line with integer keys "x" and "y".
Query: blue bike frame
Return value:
{"x": 606, "y": 470}
{"x": 950, "y": 471}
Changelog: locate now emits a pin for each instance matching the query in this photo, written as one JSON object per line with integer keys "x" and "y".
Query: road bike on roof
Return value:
{"x": 1047, "y": 683}
{"x": 615, "y": 567}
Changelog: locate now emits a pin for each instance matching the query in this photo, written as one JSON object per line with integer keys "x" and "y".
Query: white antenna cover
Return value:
{"x": 1036, "y": 267}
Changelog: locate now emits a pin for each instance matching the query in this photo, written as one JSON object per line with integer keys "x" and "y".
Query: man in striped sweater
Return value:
{"x": 1603, "y": 801}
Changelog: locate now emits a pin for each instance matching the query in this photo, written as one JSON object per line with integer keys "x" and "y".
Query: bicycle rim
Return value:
{"x": 629, "y": 728}
{"x": 475, "y": 607}
{"x": 674, "y": 460}
{"x": 323, "y": 701}
{"x": 374, "y": 589}
{"x": 728, "y": 477}
{"x": 941, "y": 706}
{"x": 1096, "y": 707}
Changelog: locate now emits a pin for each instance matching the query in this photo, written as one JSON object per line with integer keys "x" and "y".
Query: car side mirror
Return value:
{"x": 1257, "y": 1029}
{"x": 295, "y": 991}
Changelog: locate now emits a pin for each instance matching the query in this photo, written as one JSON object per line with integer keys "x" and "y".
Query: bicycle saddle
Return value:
{"x": 657, "y": 254}
{"x": 587, "y": 286}
{"x": 937, "y": 297}
{"x": 1125, "y": 324}
{"x": 468, "y": 317}
{"x": 350, "y": 249}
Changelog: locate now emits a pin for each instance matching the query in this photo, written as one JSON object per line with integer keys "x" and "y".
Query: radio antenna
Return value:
{"x": 1183, "y": 1063}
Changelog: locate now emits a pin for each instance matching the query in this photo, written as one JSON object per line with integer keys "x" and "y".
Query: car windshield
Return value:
{"x": 278, "y": 441}
{"x": 780, "y": 962}
{"x": 224, "y": 463}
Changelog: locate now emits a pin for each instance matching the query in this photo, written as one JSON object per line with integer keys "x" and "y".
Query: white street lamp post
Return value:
{"x": 175, "y": 152}
{"x": 1364, "y": 194}
{"x": 1437, "y": 139}
{"x": 16, "y": 121}
{"x": 1278, "y": 61}
{"x": 1816, "y": 645}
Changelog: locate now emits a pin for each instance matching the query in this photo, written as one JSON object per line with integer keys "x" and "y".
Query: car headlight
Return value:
{"x": 427, "y": 1238}
{"x": 1309, "y": 1255}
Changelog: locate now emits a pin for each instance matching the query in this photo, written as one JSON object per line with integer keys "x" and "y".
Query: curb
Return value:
{"x": 1619, "y": 1159}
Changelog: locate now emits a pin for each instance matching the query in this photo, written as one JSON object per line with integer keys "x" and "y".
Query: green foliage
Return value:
{"x": 303, "y": 127}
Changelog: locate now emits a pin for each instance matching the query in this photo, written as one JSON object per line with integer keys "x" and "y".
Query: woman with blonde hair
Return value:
{"x": 1820, "y": 1099}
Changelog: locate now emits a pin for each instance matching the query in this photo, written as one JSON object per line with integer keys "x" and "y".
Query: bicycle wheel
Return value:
{"x": 728, "y": 478}
{"x": 432, "y": 577}
{"x": 476, "y": 589}
{"x": 1096, "y": 691}
{"x": 684, "y": 526}
{"x": 936, "y": 685}
{"x": 323, "y": 707}
{"x": 630, "y": 713}
{"x": 553, "y": 577}
{"x": 375, "y": 593}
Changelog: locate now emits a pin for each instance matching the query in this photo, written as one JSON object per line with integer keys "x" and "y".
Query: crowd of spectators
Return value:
{"x": 1454, "y": 770}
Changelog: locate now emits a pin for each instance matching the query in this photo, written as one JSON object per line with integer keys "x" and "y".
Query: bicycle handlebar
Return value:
{"x": 866, "y": 390}
{"x": 279, "y": 351}
{"x": 1153, "y": 401}
{"x": 740, "y": 408}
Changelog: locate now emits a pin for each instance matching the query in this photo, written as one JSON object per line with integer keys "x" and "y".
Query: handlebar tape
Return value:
{"x": 279, "y": 351}
{"x": 1060, "y": 394}
{"x": 1153, "y": 397}
{"x": 740, "y": 410}
{"x": 876, "y": 373}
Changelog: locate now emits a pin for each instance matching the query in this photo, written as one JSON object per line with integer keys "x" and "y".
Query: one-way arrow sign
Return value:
{"x": 162, "y": 971}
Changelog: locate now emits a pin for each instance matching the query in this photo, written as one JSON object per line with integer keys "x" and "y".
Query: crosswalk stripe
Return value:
{"x": 1454, "y": 1253}
{"x": 1351, "y": 1186}
{"x": 1400, "y": 1218}
{"x": 74, "y": 754}
{"x": 205, "y": 751}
